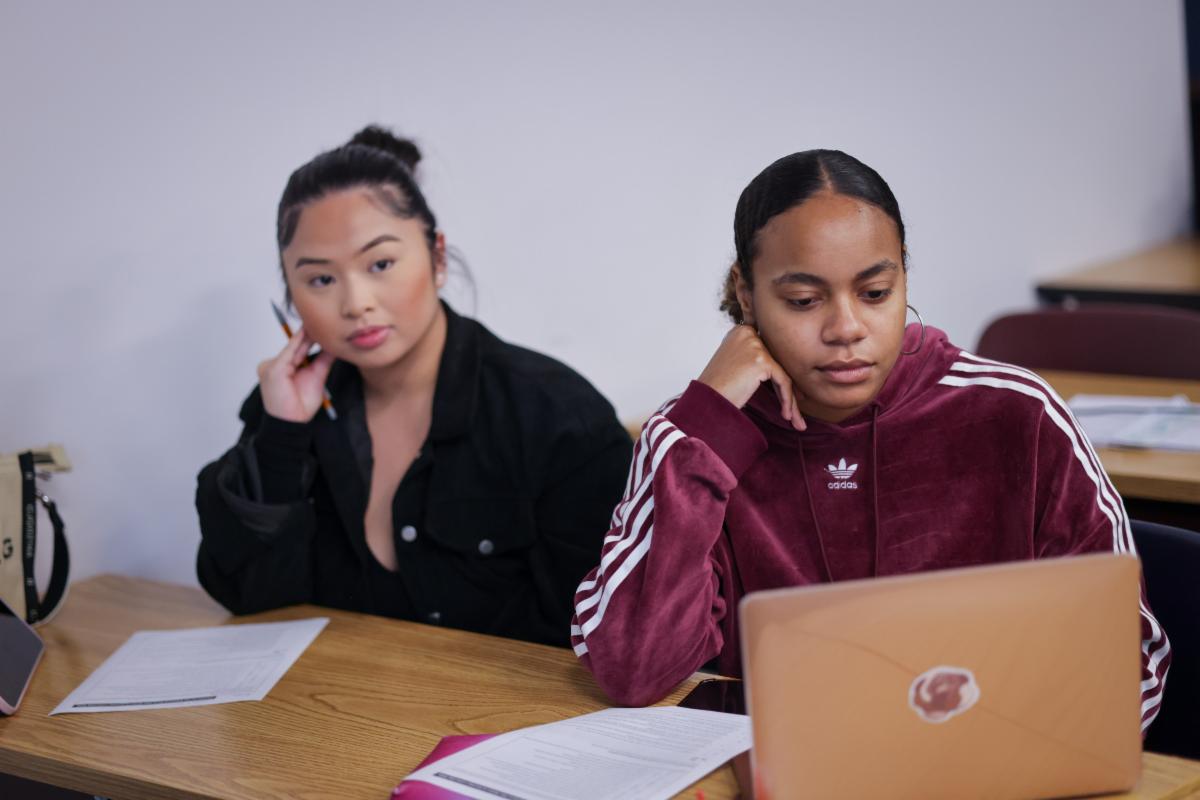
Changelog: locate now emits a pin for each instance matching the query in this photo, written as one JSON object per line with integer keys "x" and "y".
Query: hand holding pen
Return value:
{"x": 292, "y": 383}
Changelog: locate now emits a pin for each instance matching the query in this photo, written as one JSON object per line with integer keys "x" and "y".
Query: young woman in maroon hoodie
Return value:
{"x": 827, "y": 441}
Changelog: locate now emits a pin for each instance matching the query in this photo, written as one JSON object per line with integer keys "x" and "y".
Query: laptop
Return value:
{"x": 1007, "y": 681}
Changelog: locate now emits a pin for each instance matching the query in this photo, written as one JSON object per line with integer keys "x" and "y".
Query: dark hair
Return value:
{"x": 786, "y": 184}
{"x": 374, "y": 158}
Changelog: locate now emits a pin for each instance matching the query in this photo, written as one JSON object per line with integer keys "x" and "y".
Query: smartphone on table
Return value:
{"x": 20, "y": 651}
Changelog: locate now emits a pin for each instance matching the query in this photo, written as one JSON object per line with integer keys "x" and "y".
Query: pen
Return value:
{"x": 326, "y": 401}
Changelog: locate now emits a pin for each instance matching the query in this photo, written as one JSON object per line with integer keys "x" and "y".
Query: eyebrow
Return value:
{"x": 378, "y": 240}
{"x": 886, "y": 265}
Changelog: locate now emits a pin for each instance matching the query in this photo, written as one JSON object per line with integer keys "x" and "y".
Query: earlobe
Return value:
{"x": 745, "y": 301}
{"x": 439, "y": 259}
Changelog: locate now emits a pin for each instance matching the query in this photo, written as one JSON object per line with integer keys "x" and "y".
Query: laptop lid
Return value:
{"x": 1007, "y": 681}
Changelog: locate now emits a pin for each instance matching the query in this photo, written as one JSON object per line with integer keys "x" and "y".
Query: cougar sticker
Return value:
{"x": 943, "y": 692}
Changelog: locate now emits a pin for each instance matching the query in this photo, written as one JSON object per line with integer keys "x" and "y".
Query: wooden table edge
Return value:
{"x": 91, "y": 780}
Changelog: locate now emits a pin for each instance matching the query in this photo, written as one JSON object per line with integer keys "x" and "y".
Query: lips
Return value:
{"x": 369, "y": 338}
{"x": 847, "y": 372}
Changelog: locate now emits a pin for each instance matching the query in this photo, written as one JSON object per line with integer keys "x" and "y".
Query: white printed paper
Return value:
{"x": 613, "y": 754}
{"x": 1161, "y": 423}
{"x": 194, "y": 667}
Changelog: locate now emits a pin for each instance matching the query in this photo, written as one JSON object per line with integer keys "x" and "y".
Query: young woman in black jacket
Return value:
{"x": 461, "y": 481}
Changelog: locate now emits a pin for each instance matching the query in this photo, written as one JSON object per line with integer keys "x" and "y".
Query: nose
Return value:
{"x": 844, "y": 324}
{"x": 357, "y": 298}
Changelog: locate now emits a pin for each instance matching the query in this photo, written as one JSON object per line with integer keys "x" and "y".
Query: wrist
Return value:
{"x": 730, "y": 393}
{"x": 285, "y": 411}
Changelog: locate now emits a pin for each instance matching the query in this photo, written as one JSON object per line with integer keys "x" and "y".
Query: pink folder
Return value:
{"x": 419, "y": 790}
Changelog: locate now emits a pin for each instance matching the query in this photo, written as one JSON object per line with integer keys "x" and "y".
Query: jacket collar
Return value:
{"x": 456, "y": 395}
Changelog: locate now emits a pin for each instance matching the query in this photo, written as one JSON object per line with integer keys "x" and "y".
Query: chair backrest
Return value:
{"x": 1123, "y": 340}
{"x": 1171, "y": 566}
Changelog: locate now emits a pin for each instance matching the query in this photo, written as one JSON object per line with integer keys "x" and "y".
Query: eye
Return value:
{"x": 381, "y": 265}
{"x": 320, "y": 281}
{"x": 876, "y": 295}
{"x": 801, "y": 303}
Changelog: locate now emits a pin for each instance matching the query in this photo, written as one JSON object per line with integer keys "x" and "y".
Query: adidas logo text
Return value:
{"x": 842, "y": 474}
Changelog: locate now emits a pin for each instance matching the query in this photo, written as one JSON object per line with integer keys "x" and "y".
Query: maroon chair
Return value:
{"x": 1152, "y": 341}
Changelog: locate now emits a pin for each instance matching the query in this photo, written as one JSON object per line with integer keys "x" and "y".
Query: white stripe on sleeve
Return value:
{"x": 632, "y": 539}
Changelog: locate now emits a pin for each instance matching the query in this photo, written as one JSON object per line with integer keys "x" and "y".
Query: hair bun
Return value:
{"x": 383, "y": 139}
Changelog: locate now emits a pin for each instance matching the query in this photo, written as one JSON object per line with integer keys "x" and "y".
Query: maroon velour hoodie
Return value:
{"x": 958, "y": 461}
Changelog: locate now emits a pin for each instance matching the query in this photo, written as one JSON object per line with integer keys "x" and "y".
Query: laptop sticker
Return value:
{"x": 943, "y": 692}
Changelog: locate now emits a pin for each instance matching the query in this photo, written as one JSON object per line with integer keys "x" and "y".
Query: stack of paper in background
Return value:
{"x": 1162, "y": 423}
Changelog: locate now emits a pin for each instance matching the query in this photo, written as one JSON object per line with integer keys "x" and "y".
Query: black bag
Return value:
{"x": 19, "y": 496}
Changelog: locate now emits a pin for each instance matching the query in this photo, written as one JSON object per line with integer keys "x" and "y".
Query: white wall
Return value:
{"x": 585, "y": 160}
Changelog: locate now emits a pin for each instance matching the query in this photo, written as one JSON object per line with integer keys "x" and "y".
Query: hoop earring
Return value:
{"x": 920, "y": 343}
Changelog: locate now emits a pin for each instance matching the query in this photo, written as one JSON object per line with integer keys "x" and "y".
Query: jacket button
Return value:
{"x": 408, "y": 533}
{"x": 486, "y": 547}
{"x": 434, "y": 617}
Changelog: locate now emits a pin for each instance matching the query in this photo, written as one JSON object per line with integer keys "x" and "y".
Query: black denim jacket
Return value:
{"x": 496, "y": 522}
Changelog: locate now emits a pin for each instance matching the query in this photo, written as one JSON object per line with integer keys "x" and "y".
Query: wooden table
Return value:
{"x": 361, "y": 707}
{"x": 1145, "y": 474}
{"x": 1165, "y": 275}
{"x": 366, "y": 702}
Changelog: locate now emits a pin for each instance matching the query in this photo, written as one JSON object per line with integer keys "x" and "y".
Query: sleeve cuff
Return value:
{"x": 703, "y": 413}
{"x": 288, "y": 438}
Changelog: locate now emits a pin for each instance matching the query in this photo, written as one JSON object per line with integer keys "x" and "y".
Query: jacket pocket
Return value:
{"x": 475, "y": 561}
{"x": 483, "y": 529}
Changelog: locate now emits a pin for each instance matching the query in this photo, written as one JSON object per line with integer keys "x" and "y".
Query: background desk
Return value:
{"x": 361, "y": 707}
{"x": 1143, "y": 474}
{"x": 1165, "y": 275}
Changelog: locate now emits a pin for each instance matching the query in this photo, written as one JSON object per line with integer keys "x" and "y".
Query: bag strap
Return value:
{"x": 40, "y": 610}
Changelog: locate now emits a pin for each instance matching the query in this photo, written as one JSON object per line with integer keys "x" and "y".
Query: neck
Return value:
{"x": 415, "y": 374}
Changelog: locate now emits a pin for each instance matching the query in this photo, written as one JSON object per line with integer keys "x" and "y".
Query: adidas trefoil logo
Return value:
{"x": 841, "y": 471}
{"x": 841, "y": 475}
